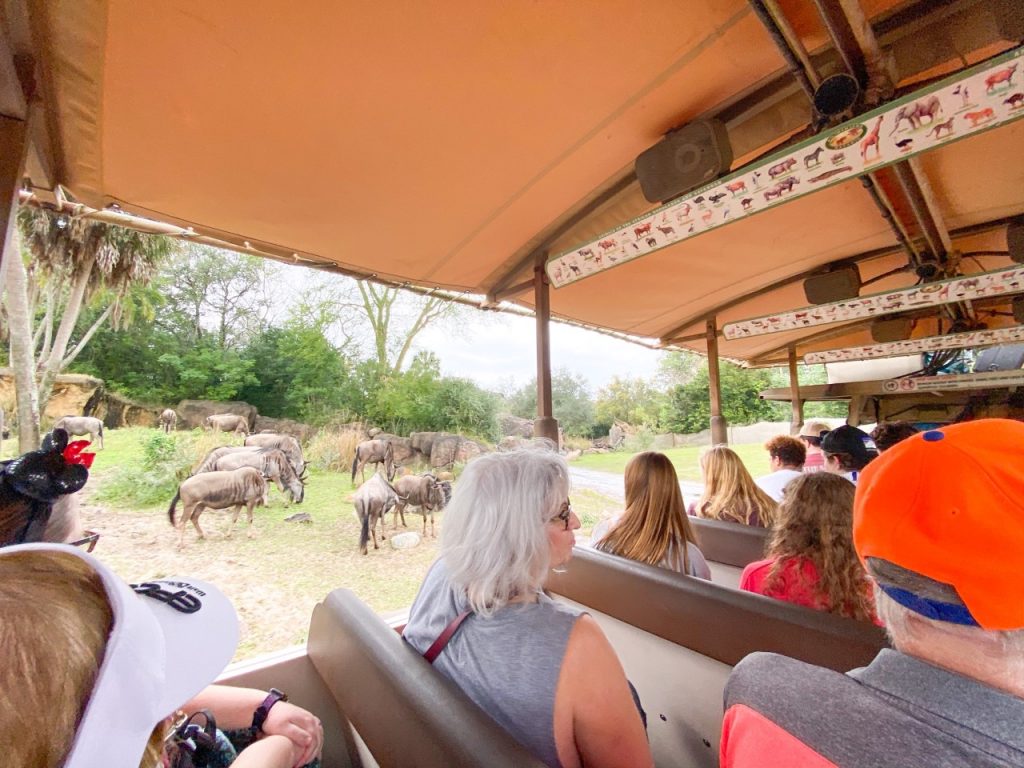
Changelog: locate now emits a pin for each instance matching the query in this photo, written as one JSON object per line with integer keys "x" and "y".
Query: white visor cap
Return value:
{"x": 170, "y": 639}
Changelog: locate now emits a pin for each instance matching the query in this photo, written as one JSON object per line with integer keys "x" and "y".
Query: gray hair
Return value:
{"x": 1001, "y": 652}
{"x": 494, "y": 541}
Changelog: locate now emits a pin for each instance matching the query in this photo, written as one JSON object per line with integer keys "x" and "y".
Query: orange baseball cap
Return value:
{"x": 948, "y": 504}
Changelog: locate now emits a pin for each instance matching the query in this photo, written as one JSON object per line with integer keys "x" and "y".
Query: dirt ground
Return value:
{"x": 275, "y": 579}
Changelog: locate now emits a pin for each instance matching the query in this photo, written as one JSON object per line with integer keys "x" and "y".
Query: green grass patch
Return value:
{"x": 686, "y": 460}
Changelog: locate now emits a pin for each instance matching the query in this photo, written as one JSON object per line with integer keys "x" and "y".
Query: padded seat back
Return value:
{"x": 729, "y": 543}
{"x": 406, "y": 713}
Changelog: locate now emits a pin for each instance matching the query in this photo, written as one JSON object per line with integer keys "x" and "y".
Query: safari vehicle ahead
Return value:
{"x": 769, "y": 181}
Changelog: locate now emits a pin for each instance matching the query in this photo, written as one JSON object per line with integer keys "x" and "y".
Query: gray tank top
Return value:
{"x": 507, "y": 664}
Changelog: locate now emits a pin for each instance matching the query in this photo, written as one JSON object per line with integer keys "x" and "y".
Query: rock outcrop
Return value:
{"x": 192, "y": 413}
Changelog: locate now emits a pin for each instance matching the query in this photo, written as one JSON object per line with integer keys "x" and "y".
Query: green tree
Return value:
{"x": 688, "y": 408}
{"x": 634, "y": 401}
{"x": 64, "y": 266}
{"x": 570, "y": 402}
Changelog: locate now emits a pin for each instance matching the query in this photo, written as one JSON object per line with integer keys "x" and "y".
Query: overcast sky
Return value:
{"x": 501, "y": 350}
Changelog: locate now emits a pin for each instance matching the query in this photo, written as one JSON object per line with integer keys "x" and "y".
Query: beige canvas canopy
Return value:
{"x": 457, "y": 145}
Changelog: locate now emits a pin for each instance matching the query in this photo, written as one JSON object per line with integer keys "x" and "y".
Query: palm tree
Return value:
{"x": 72, "y": 262}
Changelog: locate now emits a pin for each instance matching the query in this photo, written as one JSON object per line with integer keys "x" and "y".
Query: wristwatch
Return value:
{"x": 259, "y": 717}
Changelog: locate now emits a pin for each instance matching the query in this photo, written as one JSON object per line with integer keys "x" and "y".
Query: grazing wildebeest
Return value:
{"x": 227, "y": 422}
{"x": 218, "y": 490}
{"x": 372, "y": 501}
{"x": 168, "y": 420}
{"x": 82, "y": 425}
{"x": 374, "y": 452}
{"x": 290, "y": 445}
{"x": 423, "y": 491}
{"x": 272, "y": 464}
{"x": 206, "y": 465}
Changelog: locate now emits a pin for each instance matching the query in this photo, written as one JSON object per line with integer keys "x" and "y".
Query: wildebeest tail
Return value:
{"x": 364, "y": 531}
{"x": 174, "y": 503}
{"x": 355, "y": 462}
{"x": 101, "y": 429}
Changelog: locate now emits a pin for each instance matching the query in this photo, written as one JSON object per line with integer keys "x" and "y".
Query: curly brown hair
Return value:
{"x": 730, "y": 493}
{"x": 790, "y": 451}
{"x": 815, "y": 522}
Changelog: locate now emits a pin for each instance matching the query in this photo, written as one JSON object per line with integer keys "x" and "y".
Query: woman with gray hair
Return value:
{"x": 542, "y": 670}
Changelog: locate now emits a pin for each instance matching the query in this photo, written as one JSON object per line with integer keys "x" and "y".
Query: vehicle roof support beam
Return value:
{"x": 13, "y": 151}
{"x": 719, "y": 426}
{"x": 796, "y": 419}
{"x": 545, "y": 425}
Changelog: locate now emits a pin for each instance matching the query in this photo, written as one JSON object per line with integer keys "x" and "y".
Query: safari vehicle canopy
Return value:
{"x": 487, "y": 149}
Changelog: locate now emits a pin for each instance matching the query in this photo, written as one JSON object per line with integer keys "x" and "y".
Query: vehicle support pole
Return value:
{"x": 796, "y": 420}
{"x": 545, "y": 425}
{"x": 719, "y": 428}
{"x": 13, "y": 148}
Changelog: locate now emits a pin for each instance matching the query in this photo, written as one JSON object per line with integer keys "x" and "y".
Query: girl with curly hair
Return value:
{"x": 730, "y": 493}
{"x": 811, "y": 560}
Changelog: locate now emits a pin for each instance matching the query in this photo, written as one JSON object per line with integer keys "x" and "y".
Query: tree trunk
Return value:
{"x": 22, "y": 358}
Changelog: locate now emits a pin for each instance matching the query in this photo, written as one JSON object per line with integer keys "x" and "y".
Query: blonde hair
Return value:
{"x": 655, "y": 522}
{"x": 730, "y": 493}
{"x": 53, "y": 635}
{"x": 815, "y": 523}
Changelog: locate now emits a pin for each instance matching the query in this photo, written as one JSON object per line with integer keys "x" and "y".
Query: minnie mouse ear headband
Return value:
{"x": 170, "y": 639}
{"x": 39, "y": 478}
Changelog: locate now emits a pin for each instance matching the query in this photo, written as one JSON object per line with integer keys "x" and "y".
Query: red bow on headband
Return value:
{"x": 75, "y": 453}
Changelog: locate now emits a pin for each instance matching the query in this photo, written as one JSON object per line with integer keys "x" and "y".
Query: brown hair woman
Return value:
{"x": 730, "y": 493}
{"x": 811, "y": 560}
{"x": 655, "y": 528}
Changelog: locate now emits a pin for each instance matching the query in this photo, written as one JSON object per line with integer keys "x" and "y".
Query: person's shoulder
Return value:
{"x": 754, "y": 573}
{"x": 763, "y": 680}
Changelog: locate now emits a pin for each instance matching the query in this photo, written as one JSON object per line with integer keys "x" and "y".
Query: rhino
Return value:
{"x": 422, "y": 491}
{"x": 218, "y": 490}
{"x": 227, "y": 422}
{"x": 286, "y": 443}
{"x": 82, "y": 425}
{"x": 372, "y": 501}
{"x": 272, "y": 464}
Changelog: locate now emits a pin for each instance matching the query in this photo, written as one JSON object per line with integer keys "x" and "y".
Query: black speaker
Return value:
{"x": 836, "y": 285}
{"x": 892, "y": 329}
{"x": 1018, "y": 309}
{"x": 693, "y": 155}
{"x": 1015, "y": 240}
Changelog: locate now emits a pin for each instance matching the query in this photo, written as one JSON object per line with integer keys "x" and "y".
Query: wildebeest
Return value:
{"x": 227, "y": 422}
{"x": 372, "y": 501}
{"x": 422, "y": 491}
{"x": 290, "y": 445}
{"x": 168, "y": 420}
{"x": 82, "y": 425}
{"x": 218, "y": 490}
{"x": 374, "y": 452}
{"x": 271, "y": 462}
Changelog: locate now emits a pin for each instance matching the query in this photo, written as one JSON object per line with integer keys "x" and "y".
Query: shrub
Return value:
{"x": 333, "y": 448}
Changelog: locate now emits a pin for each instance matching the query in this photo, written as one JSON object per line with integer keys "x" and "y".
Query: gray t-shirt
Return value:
{"x": 508, "y": 664}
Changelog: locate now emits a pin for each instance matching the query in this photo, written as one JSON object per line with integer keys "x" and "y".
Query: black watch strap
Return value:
{"x": 259, "y": 717}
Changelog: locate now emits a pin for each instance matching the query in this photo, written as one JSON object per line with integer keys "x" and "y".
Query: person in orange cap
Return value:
{"x": 939, "y": 526}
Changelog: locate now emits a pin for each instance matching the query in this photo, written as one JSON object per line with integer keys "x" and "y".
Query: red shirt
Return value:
{"x": 815, "y": 462}
{"x": 796, "y": 583}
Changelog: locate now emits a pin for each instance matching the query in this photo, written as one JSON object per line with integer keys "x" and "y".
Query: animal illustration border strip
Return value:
{"x": 999, "y": 282}
{"x": 952, "y": 382}
{"x": 969, "y": 340}
{"x": 971, "y": 101}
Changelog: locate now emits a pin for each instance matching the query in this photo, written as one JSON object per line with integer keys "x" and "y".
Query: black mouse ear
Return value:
{"x": 57, "y": 441}
{"x": 71, "y": 479}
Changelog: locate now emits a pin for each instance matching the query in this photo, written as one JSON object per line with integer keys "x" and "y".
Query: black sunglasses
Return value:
{"x": 564, "y": 514}
{"x": 88, "y": 542}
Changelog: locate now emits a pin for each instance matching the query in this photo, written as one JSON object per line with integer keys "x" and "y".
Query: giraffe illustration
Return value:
{"x": 871, "y": 140}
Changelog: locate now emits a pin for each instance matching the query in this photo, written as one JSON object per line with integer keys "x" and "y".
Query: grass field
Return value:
{"x": 277, "y": 577}
{"x": 686, "y": 460}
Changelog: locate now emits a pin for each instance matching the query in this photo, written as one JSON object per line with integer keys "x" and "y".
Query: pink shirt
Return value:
{"x": 815, "y": 462}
